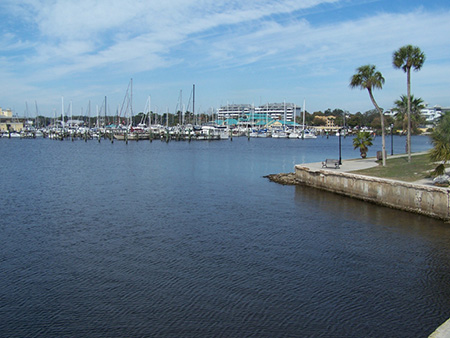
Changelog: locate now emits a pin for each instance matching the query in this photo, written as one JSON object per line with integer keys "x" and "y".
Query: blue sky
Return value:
{"x": 234, "y": 51}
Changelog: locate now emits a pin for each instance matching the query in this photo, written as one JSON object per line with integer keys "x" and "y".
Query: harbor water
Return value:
{"x": 188, "y": 239}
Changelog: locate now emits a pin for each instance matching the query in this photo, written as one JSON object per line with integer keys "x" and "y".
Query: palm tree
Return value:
{"x": 367, "y": 77}
{"x": 363, "y": 141}
{"x": 440, "y": 138}
{"x": 408, "y": 57}
{"x": 401, "y": 107}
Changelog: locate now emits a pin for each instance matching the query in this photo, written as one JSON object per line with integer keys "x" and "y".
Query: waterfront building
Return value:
{"x": 268, "y": 111}
{"x": 329, "y": 121}
{"x": 432, "y": 114}
{"x": 329, "y": 124}
{"x": 280, "y": 111}
{"x": 8, "y": 122}
{"x": 235, "y": 111}
{"x": 390, "y": 113}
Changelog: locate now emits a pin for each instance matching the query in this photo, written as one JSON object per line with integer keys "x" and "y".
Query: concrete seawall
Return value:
{"x": 427, "y": 200}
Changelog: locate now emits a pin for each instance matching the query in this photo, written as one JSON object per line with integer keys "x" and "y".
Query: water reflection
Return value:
{"x": 189, "y": 240}
{"x": 406, "y": 256}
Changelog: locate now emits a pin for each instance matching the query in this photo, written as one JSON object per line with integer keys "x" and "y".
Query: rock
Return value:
{"x": 442, "y": 181}
{"x": 283, "y": 178}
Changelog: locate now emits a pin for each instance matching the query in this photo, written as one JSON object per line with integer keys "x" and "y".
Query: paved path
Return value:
{"x": 360, "y": 164}
{"x": 442, "y": 331}
{"x": 346, "y": 166}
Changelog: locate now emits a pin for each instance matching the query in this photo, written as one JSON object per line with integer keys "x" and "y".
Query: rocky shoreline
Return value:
{"x": 283, "y": 178}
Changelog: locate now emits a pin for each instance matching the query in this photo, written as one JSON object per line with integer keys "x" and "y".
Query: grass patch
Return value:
{"x": 399, "y": 169}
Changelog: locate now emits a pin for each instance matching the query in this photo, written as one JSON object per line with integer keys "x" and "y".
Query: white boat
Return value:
{"x": 309, "y": 135}
{"x": 294, "y": 135}
{"x": 253, "y": 134}
{"x": 279, "y": 134}
{"x": 224, "y": 135}
{"x": 263, "y": 133}
{"x": 306, "y": 133}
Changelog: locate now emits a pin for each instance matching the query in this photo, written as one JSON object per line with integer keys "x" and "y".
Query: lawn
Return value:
{"x": 398, "y": 168}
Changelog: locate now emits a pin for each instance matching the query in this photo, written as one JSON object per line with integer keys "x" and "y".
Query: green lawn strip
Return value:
{"x": 399, "y": 168}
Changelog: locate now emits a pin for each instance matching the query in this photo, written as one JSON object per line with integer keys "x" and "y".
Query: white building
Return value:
{"x": 276, "y": 111}
{"x": 235, "y": 111}
{"x": 432, "y": 114}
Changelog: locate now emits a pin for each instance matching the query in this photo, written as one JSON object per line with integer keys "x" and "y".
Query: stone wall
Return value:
{"x": 426, "y": 200}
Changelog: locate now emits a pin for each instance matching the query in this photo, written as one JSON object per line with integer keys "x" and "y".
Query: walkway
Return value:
{"x": 363, "y": 163}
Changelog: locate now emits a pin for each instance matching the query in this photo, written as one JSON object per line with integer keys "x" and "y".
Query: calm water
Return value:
{"x": 189, "y": 240}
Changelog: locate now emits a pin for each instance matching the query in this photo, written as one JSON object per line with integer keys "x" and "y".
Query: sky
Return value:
{"x": 67, "y": 56}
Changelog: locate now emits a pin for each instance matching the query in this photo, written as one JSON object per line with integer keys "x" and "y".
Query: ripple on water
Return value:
{"x": 188, "y": 240}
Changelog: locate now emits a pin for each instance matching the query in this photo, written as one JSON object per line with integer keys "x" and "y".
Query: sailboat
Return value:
{"x": 306, "y": 134}
{"x": 295, "y": 134}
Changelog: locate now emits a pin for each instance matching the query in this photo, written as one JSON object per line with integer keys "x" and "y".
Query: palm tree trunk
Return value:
{"x": 383, "y": 141}
{"x": 408, "y": 93}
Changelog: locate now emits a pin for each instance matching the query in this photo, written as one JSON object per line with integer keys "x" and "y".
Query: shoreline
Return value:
{"x": 421, "y": 197}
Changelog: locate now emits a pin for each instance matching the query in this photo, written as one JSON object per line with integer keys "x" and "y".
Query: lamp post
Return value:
{"x": 340, "y": 158}
{"x": 392, "y": 140}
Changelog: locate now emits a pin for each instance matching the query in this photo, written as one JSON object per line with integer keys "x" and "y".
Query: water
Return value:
{"x": 189, "y": 240}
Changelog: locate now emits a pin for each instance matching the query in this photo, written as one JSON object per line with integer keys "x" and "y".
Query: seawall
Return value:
{"x": 422, "y": 199}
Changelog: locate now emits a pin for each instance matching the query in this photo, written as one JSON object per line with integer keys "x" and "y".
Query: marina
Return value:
{"x": 189, "y": 239}
{"x": 158, "y": 132}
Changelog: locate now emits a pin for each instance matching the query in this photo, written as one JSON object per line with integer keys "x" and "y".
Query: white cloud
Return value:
{"x": 125, "y": 37}
{"x": 100, "y": 31}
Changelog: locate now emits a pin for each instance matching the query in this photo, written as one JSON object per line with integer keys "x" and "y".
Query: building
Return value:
{"x": 235, "y": 111}
{"x": 432, "y": 114}
{"x": 274, "y": 111}
{"x": 329, "y": 121}
{"x": 8, "y": 122}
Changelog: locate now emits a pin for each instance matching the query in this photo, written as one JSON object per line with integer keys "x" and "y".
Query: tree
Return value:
{"x": 363, "y": 141}
{"x": 317, "y": 121}
{"x": 408, "y": 57}
{"x": 440, "y": 138}
{"x": 376, "y": 123}
{"x": 354, "y": 120}
{"x": 401, "y": 107}
{"x": 367, "y": 77}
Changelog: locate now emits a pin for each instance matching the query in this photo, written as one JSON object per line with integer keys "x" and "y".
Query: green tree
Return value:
{"x": 354, "y": 120}
{"x": 369, "y": 116}
{"x": 376, "y": 123}
{"x": 440, "y": 138}
{"x": 367, "y": 77}
{"x": 362, "y": 141}
{"x": 317, "y": 121}
{"x": 408, "y": 57}
{"x": 401, "y": 107}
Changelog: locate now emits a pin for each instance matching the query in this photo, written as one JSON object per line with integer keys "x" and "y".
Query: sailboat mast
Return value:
{"x": 37, "y": 116}
{"x": 62, "y": 111}
{"x": 193, "y": 100}
{"x": 131, "y": 97}
{"x": 105, "y": 111}
{"x": 181, "y": 107}
{"x": 150, "y": 110}
{"x": 303, "y": 132}
{"x": 295, "y": 115}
